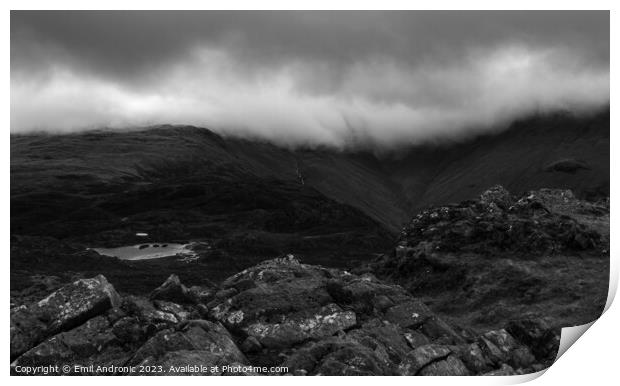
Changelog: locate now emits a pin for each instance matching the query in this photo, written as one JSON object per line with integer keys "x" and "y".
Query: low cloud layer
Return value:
{"x": 305, "y": 78}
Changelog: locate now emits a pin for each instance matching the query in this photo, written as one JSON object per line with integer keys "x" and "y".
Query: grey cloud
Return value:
{"x": 126, "y": 40}
{"x": 305, "y": 77}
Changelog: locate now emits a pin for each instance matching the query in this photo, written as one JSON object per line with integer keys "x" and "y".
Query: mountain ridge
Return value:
{"x": 394, "y": 188}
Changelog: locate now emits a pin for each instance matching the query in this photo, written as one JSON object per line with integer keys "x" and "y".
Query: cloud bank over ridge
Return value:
{"x": 305, "y": 78}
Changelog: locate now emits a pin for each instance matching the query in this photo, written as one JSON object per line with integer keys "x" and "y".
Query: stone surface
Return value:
{"x": 336, "y": 356}
{"x": 62, "y": 310}
{"x": 324, "y": 322}
{"x": 538, "y": 335}
{"x": 499, "y": 221}
{"x": 422, "y": 356}
{"x": 172, "y": 290}
{"x": 91, "y": 343}
{"x": 451, "y": 366}
{"x": 200, "y": 335}
{"x": 411, "y": 314}
{"x": 473, "y": 358}
{"x": 505, "y": 370}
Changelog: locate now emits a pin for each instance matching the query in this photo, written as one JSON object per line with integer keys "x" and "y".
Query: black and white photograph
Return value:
{"x": 306, "y": 192}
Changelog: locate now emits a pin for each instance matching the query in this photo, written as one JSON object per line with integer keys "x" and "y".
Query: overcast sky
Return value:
{"x": 339, "y": 78}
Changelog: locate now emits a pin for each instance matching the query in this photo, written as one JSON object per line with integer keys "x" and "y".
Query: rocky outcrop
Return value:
{"x": 501, "y": 257}
{"x": 309, "y": 320}
{"x": 498, "y": 222}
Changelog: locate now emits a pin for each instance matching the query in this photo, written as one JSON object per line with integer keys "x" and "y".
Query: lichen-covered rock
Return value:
{"x": 411, "y": 314}
{"x": 518, "y": 356}
{"x": 491, "y": 351}
{"x": 505, "y": 370}
{"x": 146, "y": 311}
{"x": 497, "y": 221}
{"x": 374, "y": 348}
{"x": 318, "y": 324}
{"x": 502, "y": 340}
{"x": 172, "y": 290}
{"x": 350, "y": 361}
{"x": 199, "y": 335}
{"x": 201, "y": 294}
{"x": 451, "y": 366}
{"x": 498, "y": 197}
{"x": 185, "y": 362}
{"x": 62, "y": 310}
{"x": 416, "y": 339}
{"x": 91, "y": 343}
{"x": 180, "y": 313}
{"x": 336, "y": 356}
{"x": 422, "y": 356}
{"x": 473, "y": 358}
{"x": 437, "y": 329}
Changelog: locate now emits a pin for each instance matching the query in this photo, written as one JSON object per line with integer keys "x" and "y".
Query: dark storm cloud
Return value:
{"x": 125, "y": 42}
{"x": 308, "y": 77}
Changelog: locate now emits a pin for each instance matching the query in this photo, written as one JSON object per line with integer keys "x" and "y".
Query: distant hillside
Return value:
{"x": 555, "y": 151}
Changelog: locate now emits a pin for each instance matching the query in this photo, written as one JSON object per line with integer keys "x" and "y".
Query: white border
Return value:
{"x": 594, "y": 358}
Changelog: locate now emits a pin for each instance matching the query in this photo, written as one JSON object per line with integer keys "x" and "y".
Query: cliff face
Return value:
{"x": 281, "y": 315}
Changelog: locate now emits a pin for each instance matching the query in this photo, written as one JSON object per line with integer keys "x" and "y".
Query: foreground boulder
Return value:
{"x": 66, "y": 308}
{"x": 327, "y": 321}
{"x": 198, "y": 342}
{"x": 94, "y": 342}
{"x": 120, "y": 334}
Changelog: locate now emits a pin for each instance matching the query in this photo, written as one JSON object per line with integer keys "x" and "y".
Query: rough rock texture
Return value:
{"x": 498, "y": 221}
{"x": 212, "y": 342}
{"x": 172, "y": 290}
{"x": 310, "y": 319}
{"x": 94, "y": 342}
{"x": 68, "y": 307}
{"x": 538, "y": 335}
{"x": 499, "y": 258}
